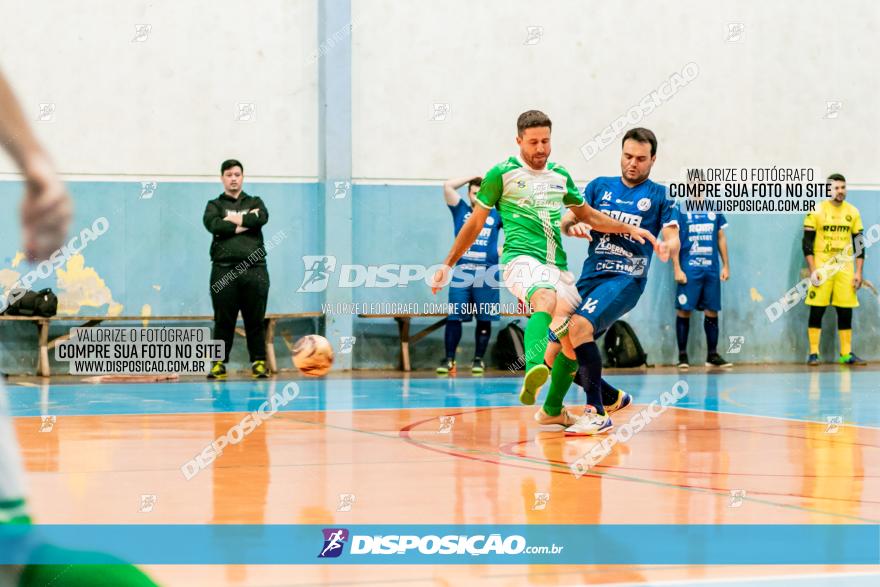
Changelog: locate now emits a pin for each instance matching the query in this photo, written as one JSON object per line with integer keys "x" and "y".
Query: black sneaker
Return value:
{"x": 716, "y": 360}
{"x": 478, "y": 367}
{"x": 218, "y": 371}
{"x": 447, "y": 367}
{"x": 683, "y": 361}
{"x": 259, "y": 370}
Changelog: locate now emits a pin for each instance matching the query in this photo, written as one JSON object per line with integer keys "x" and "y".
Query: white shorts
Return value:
{"x": 524, "y": 274}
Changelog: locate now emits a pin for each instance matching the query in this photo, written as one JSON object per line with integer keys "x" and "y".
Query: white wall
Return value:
{"x": 167, "y": 105}
{"x": 758, "y": 101}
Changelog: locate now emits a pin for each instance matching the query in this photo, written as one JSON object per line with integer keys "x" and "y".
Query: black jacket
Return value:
{"x": 227, "y": 247}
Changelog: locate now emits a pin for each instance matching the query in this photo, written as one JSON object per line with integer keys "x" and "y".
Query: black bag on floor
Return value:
{"x": 42, "y": 303}
{"x": 622, "y": 347}
{"x": 509, "y": 351}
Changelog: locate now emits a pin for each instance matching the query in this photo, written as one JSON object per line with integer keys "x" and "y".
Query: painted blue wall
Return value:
{"x": 161, "y": 242}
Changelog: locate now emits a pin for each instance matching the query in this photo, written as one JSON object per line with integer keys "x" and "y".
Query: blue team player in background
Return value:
{"x": 473, "y": 290}
{"x": 699, "y": 275}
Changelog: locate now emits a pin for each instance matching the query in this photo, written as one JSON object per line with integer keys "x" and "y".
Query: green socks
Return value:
{"x": 110, "y": 575}
{"x": 536, "y": 338}
{"x": 561, "y": 377}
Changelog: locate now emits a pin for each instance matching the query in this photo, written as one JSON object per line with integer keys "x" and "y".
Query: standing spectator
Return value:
{"x": 239, "y": 278}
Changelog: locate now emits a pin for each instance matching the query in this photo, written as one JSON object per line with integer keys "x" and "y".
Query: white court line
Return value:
{"x": 844, "y": 425}
{"x": 738, "y": 580}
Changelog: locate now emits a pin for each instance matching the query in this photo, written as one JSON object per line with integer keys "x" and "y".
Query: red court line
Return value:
{"x": 509, "y": 448}
{"x": 406, "y": 430}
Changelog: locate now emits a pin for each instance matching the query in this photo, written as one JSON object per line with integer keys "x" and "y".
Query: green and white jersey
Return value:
{"x": 530, "y": 203}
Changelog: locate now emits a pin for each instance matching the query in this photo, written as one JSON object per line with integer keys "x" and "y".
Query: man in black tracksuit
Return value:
{"x": 239, "y": 279}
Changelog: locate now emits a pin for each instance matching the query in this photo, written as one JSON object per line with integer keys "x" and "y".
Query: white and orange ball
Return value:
{"x": 313, "y": 355}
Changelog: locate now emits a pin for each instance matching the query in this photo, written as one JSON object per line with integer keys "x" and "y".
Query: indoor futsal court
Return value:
{"x": 362, "y": 292}
{"x": 379, "y": 439}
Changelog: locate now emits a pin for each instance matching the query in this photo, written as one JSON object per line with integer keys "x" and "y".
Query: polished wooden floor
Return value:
{"x": 392, "y": 444}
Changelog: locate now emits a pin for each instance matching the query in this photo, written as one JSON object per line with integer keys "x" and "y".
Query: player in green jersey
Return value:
{"x": 529, "y": 193}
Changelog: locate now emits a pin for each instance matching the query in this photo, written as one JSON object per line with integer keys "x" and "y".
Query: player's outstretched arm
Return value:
{"x": 451, "y": 187}
{"x": 604, "y": 223}
{"x": 671, "y": 245}
{"x": 722, "y": 250}
{"x": 570, "y": 226}
{"x": 46, "y": 209}
{"x": 466, "y": 237}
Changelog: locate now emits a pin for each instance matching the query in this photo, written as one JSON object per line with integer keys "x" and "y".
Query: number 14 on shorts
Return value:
{"x": 590, "y": 305}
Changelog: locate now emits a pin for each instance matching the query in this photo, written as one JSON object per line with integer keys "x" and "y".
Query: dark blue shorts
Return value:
{"x": 701, "y": 292}
{"x": 478, "y": 299}
{"x": 605, "y": 298}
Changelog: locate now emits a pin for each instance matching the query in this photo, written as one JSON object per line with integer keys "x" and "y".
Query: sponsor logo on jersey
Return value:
{"x": 701, "y": 228}
{"x": 606, "y": 247}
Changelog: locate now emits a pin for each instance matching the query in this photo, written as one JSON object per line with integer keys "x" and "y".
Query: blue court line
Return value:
{"x": 799, "y": 396}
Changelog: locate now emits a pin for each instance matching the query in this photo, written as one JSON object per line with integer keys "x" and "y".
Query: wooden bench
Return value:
{"x": 44, "y": 343}
{"x": 403, "y": 324}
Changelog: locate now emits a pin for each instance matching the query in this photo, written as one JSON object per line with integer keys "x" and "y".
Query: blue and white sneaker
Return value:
{"x": 623, "y": 399}
{"x": 590, "y": 424}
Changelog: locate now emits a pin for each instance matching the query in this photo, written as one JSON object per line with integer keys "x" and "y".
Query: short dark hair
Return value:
{"x": 229, "y": 164}
{"x": 836, "y": 177}
{"x": 477, "y": 181}
{"x": 642, "y": 135}
{"x": 532, "y": 119}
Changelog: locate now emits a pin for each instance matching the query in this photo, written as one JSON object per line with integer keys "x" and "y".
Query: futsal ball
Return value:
{"x": 313, "y": 355}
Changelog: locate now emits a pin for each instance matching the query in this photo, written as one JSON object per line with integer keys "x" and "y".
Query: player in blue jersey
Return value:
{"x": 611, "y": 283}
{"x": 471, "y": 291}
{"x": 699, "y": 275}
